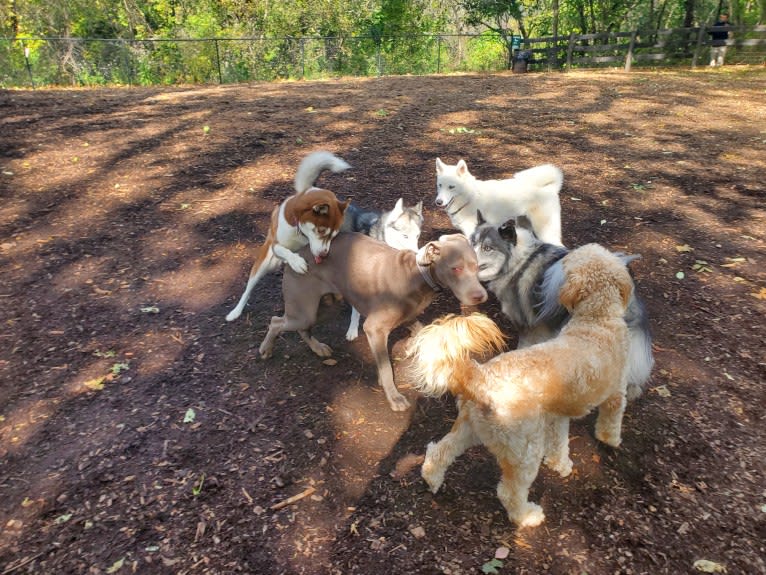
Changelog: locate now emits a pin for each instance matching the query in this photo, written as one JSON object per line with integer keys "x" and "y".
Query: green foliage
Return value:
{"x": 486, "y": 53}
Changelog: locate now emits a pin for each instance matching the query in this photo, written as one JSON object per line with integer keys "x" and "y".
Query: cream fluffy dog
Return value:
{"x": 518, "y": 404}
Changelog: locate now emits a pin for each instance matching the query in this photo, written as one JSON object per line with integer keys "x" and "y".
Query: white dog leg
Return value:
{"x": 439, "y": 456}
{"x": 353, "y": 325}
{"x": 557, "y": 444}
{"x": 609, "y": 421}
{"x": 269, "y": 264}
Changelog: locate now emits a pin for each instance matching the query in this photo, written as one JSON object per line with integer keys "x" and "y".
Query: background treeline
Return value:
{"x": 160, "y": 41}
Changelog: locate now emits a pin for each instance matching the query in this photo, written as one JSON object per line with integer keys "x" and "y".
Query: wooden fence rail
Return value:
{"x": 677, "y": 46}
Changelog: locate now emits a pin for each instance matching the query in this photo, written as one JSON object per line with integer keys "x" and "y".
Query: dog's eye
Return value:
{"x": 486, "y": 248}
{"x": 451, "y": 187}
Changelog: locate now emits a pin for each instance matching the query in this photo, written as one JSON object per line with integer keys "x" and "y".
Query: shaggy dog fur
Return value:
{"x": 525, "y": 274}
{"x": 518, "y": 404}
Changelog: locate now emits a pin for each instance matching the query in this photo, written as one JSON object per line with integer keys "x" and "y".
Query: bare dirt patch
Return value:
{"x": 126, "y": 226}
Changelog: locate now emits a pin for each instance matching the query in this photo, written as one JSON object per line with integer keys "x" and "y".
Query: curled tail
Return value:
{"x": 313, "y": 165}
{"x": 443, "y": 351}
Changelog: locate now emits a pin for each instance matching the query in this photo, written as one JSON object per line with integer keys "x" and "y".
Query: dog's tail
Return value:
{"x": 640, "y": 357}
{"x": 545, "y": 177}
{"x": 443, "y": 352}
{"x": 313, "y": 165}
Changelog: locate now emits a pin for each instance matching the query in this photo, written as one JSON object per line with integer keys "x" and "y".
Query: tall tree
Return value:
{"x": 500, "y": 16}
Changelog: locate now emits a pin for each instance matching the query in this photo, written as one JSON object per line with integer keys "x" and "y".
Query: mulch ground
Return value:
{"x": 141, "y": 433}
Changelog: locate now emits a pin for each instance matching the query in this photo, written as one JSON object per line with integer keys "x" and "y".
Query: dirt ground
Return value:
{"x": 141, "y": 433}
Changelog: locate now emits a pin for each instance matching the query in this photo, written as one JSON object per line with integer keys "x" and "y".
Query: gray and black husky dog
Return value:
{"x": 399, "y": 228}
{"x": 526, "y": 275}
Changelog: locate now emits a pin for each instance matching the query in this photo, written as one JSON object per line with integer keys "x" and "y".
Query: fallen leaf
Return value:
{"x": 330, "y": 361}
{"x": 680, "y": 275}
{"x": 709, "y": 566}
{"x": 418, "y": 532}
{"x": 684, "y": 248}
{"x": 491, "y": 566}
{"x": 63, "y": 518}
{"x": 190, "y": 415}
{"x": 662, "y": 391}
{"x": 502, "y": 552}
{"x": 95, "y": 384}
{"x": 759, "y": 294}
{"x": 116, "y": 566}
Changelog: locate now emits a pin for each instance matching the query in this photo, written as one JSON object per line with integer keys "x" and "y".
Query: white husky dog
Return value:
{"x": 533, "y": 193}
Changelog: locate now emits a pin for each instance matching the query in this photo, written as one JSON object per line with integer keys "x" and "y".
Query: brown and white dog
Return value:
{"x": 312, "y": 216}
{"x": 518, "y": 404}
{"x": 389, "y": 288}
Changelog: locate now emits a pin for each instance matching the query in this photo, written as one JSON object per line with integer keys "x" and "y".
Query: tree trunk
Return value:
{"x": 688, "y": 13}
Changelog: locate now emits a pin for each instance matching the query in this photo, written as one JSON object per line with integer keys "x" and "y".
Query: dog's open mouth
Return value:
{"x": 318, "y": 259}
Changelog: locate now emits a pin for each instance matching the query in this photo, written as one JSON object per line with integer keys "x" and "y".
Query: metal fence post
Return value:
{"x": 218, "y": 60}
{"x": 438, "y": 54}
{"x": 28, "y": 65}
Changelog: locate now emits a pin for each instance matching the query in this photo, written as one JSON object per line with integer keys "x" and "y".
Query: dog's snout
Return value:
{"x": 440, "y": 202}
{"x": 479, "y": 296}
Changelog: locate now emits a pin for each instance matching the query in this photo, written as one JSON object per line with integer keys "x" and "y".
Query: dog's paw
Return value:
{"x": 429, "y": 471}
{"x": 264, "y": 352}
{"x": 433, "y": 479}
{"x": 352, "y": 334}
{"x": 531, "y": 516}
{"x": 609, "y": 438}
{"x": 233, "y": 314}
{"x": 398, "y": 402}
{"x": 321, "y": 349}
{"x": 298, "y": 265}
{"x": 563, "y": 468}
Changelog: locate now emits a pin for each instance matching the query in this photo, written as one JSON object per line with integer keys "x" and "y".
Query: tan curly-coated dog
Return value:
{"x": 518, "y": 404}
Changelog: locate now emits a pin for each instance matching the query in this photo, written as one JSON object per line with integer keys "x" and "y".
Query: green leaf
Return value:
{"x": 63, "y": 518}
{"x": 190, "y": 416}
{"x": 491, "y": 566}
{"x": 118, "y": 368}
{"x": 116, "y": 566}
{"x": 680, "y": 275}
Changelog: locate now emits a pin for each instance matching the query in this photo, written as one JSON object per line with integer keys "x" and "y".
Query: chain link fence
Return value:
{"x": 26, "y": 62}
{"x": 88, "y": 61}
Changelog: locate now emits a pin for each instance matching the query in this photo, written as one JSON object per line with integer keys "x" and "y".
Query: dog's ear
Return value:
{"x": 343, "y": 205}
{"x": 462, "y": 168}
{"x": 572, "y": 292}
{"x": 398, "y": 209}
{"x": 429, "y": 253}
{"x": 480, "y": 218}
{"x": 418, "y": 208}
{"x": 508, "y": 232}
{"x": 626, "y": 290}
{"x": 321, "y": 209}
{"x": 439, "y": 166}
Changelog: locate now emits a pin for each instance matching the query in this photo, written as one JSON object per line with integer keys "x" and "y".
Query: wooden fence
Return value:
{"x": 677, "y": 46}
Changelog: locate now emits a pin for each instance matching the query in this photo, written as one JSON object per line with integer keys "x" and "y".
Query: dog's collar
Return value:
{"x": 425, "y": 271}
{"x": 446, "y": 208}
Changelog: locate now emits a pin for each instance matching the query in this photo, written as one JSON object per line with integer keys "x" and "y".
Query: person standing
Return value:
{"x": 718, "y": 40}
